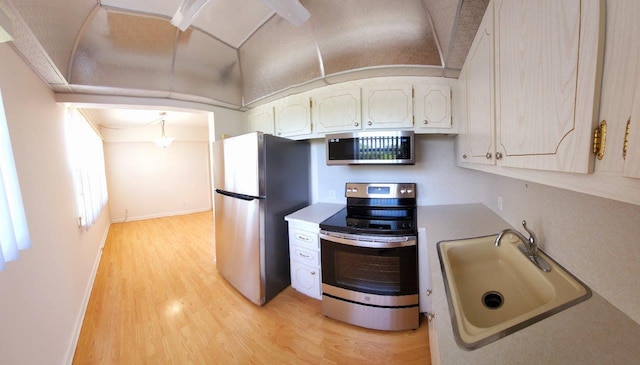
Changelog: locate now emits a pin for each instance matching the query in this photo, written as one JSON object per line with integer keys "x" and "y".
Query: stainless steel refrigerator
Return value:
{"x": 258, "y": 180}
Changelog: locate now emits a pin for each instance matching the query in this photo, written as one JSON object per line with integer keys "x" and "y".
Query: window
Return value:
{"x": 87, "y": 161}
{"x": 14, "y": 236}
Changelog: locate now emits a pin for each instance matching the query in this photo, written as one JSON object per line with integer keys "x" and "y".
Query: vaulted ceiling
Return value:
{"x": 238, "y": 53}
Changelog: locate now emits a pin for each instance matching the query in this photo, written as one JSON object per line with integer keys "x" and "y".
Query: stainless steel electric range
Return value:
{"x": 369, "y": 258}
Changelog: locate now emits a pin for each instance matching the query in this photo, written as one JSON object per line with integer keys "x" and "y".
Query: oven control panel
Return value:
{"x": 380, "y": 190}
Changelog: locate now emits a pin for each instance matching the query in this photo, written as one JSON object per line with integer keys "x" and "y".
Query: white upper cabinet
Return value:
{"x": 376, "y": 104}
{"x": 432, "y": 106}
{"x": 293, "y": 116}
{"x": 477, "y": 82}
{"x": 548, "y": 58}
{"x": 387, "y": 106}
{"x": 260, "y": 119}
{"x": 336, "y": 109}
{"x": 620, "y": 97}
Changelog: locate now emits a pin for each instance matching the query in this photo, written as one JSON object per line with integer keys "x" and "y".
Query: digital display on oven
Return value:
{"x": 378, "y": 190}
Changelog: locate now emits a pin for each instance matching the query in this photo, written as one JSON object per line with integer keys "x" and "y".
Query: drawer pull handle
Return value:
{"x": 304, "y": 255}
{"x": 302, "y": 237}
{"x": 313, "y": 273}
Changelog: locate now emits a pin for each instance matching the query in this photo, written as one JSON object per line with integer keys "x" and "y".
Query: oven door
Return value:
{"x": 375, "y": 270}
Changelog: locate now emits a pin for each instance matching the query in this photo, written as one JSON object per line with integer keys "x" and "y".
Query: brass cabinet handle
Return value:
{"x": 488, "y": 155}
{"x": 600, "y": 139}
{"x": 370, "y": 123}
{"x": 356, "y": 124}
{"x": 498, "y": 155}
{"x": 626, "y": 140}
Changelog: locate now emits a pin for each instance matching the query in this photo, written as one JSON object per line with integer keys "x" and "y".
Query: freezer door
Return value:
{"x": 238, "y": 246}
{"x": 236, "y": 163}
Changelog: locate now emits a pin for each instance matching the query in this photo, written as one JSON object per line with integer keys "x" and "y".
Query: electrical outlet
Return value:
{"x": 500, "y": 202}
{"x": 332, "y": 194}
{"x": 126, "y": 211}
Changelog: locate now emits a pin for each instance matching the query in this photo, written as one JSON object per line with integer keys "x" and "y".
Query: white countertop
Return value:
{"x": 591, "y": 332}
{"x": 315, "y": 213}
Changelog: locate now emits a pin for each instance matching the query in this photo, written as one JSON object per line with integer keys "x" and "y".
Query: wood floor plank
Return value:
{"x": 158, "y": 299}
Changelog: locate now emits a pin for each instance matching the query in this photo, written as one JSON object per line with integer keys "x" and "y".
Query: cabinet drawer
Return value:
{"x": 304, "y": 255}
{"x": 303, "y": 238}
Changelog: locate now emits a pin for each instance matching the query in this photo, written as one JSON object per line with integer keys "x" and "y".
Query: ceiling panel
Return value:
{"x": 276, "y": 57}
{"x": 56, "y": 25}
{"x": 238, "y": 53}
{"x": 140, "y": 117}
{"x": 384, "y": 32}
{"x": 160, "y": 7}
{"x": 126, "y": 51}
{"x": 469, "y": 19}
{"x": 443, "y": 16}
{"x": 207, "y": 67}
{"x": 231, "y": 21}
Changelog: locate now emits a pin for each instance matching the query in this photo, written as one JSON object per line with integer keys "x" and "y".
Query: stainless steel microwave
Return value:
{"x": 379, "y": 147}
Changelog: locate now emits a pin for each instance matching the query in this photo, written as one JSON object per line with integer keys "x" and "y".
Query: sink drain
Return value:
{"x": 492, "y": 300}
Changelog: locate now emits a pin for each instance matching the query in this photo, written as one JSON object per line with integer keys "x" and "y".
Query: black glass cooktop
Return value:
{"x": 394, "y": 221}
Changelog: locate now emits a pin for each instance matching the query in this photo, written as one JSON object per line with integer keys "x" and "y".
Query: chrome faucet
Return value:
{"x": 529, "y": 247}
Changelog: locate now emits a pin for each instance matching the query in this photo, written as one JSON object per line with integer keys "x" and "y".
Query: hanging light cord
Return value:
{"x": 163, "y": 135}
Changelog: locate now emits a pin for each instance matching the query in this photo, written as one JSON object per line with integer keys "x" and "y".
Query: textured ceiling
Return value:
{"x": 238, "y": 53}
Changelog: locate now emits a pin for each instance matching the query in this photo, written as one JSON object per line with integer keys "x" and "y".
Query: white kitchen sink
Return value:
{"x": 495, "y": 290}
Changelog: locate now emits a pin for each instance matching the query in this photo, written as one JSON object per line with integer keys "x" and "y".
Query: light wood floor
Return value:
{"x": 158, "y": 299}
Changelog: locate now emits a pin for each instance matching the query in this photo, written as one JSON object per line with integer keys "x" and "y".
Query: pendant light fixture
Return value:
{"x": 163, "y": 141}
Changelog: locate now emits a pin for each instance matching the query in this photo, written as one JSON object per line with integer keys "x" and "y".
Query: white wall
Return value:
{"x": 439, "y": 180}
{"x": 44, "y": 292}
{"x": 150, "y": 182}
{"x": 146, "y": 181}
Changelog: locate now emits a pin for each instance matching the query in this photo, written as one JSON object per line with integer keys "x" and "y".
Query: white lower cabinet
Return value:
{"x": 304, "y": 247}
{"x": 306, "y": 279}
{"x": 304, "y": 251}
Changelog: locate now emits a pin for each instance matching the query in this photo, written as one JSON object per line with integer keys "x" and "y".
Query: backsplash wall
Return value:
{"x": 439, "y": 180}
{"x": 597, "y": 239}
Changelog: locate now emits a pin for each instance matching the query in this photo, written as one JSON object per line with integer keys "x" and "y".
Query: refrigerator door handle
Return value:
{"x": 236, "y": 195}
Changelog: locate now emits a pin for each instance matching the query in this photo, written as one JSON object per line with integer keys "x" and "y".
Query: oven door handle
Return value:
{"x": 368, "y": 241}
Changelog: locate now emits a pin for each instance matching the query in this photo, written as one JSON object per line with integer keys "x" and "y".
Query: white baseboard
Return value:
{"x": 160, "y": 215}
{"x": 85, "y": 299}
